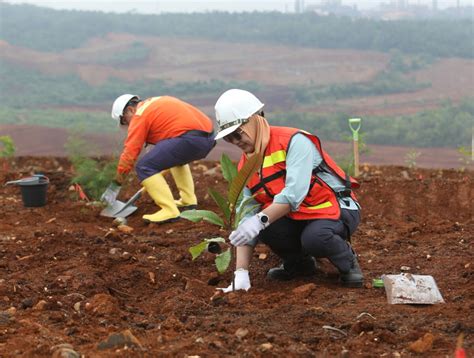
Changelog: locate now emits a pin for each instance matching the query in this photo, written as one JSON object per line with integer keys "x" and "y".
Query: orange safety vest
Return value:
{"x": 321, "y": 202}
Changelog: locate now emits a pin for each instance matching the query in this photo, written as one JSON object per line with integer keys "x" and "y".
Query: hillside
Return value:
{"x": 406, "y": 97}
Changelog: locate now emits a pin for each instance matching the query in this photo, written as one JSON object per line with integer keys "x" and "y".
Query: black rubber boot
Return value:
{"x": 353, "y": 277}
{"x": 290, "y": 269}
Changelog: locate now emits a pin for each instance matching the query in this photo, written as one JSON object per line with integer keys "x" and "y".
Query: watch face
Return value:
{"x": 264, "y": 219}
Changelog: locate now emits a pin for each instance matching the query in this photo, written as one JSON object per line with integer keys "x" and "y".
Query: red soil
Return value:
{"x": 67, "y": 277}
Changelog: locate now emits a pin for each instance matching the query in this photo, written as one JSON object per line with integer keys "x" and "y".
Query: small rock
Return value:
{"x": 114, "y": 250}
{"x": 64, "y": 351}
{"x": 199, "y": 340}
{"x": 119, "y": 340}
{"x": 119, "y": 221}
{"x": 40, "y": 305}
{"x": 152, "y": 277}
{"x": 27, "y": 303}
{"x": 262, "y": 256}
{"x": 77, "y": 306}
{"x": 304, "y": 290}
{"x": 125, "y": 229}
{"x": 102, "y": 304}
{"x": 60, "y": 346}
{"x": 423, "y": 344}
{"x": 5, "y": 318}
{"x": 216, "y": 344}
{"x": 405, "y": 268}
{"x": 265, "y": 347}
{"x": 405, "y": 175}
{"x": 213, "y": 172}
{"x": 241, "y": 333}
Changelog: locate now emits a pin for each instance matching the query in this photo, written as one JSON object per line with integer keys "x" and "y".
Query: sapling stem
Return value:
{"x": 234, "y": 256}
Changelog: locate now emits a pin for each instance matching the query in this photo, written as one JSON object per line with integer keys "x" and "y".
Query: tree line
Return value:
{"x": 56, "y": 30}
{"x": 448, "y": 126}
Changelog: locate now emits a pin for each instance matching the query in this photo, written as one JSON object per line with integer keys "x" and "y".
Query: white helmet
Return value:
{"x": 119, "y": 105}
{"x": 233, "y": 108}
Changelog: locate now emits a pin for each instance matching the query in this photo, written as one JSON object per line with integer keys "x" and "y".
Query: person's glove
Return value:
{"x": 246, "y": 231}
{"x": 242, "y": 281}
{"x": 110, "y": 194}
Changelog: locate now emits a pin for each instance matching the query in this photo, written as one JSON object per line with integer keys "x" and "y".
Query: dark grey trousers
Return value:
{"x": 294, "y": 239}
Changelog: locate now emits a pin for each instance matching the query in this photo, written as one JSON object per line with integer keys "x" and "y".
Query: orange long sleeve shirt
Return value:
{"x": 159, "y": 118}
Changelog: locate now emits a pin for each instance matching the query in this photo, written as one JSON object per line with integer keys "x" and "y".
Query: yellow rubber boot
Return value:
{"x": 160, "y": 192}
{"x": 184, "y": 181}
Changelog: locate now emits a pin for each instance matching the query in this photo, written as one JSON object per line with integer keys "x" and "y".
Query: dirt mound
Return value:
{"x": 69, "y": 277}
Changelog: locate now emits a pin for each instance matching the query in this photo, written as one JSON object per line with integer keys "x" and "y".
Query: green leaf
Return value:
{"x": 229, "y": 169}
{"x": 222, "y": 202}
{"x": 7, "y": 147}
{"x": 223, "y": 260}
{"x": 206, "y": 215}
{"x": 240, "y": 180}
{"x": 198, "y": 249}
{"x": 241, "y": 213}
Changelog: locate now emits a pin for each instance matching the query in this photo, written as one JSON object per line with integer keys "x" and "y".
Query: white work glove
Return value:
{"x": 242, "y": 281}
{"x": 110, "y": 194}
{"x": 247, "y": 230}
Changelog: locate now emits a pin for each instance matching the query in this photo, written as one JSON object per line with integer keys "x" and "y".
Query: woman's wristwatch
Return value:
{"x": 264, "y": 219}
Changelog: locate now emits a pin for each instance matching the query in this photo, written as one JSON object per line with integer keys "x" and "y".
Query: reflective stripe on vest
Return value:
{"x": 324, "y": 205}
{"x": 144, "y": 105}
{"x": 274, "y": 158}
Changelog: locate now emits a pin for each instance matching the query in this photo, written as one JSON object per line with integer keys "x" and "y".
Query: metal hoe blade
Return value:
{"x": 121, "y": 209}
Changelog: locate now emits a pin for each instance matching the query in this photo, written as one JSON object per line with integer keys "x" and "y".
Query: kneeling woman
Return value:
{"x": 307, "y": 207}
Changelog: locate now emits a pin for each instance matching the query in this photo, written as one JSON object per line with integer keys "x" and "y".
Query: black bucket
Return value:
{"x": 34, "y": 193}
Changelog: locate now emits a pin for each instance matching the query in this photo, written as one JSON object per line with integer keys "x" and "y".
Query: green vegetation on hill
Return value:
{"x": 52, "y": 30}
{"x": 28, "y": 88}
{"x": 449, "y": 126}
{"x": 393, "y": 80}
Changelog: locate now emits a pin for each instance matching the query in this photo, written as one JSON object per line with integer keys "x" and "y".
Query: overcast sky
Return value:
{"x": 157, "y": 6}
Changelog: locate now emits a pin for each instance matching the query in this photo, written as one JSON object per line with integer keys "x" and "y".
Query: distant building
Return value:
{"x": 299, "y": 6}
{"x": 333, "y": 7}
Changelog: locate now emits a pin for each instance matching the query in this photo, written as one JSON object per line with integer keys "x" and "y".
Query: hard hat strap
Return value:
{"x": 230, "y": 124}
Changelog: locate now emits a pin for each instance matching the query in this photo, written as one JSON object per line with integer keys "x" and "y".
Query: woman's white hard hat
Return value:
{"x": 233, "y": 108}
{"x": 119, "y": 105}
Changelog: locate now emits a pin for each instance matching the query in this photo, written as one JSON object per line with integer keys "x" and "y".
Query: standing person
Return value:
{"x": 307, "y": 207}
{"x": 180, "y": 134}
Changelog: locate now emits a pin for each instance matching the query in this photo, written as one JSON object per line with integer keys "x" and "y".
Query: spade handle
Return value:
{"x": 354, "y": 125}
